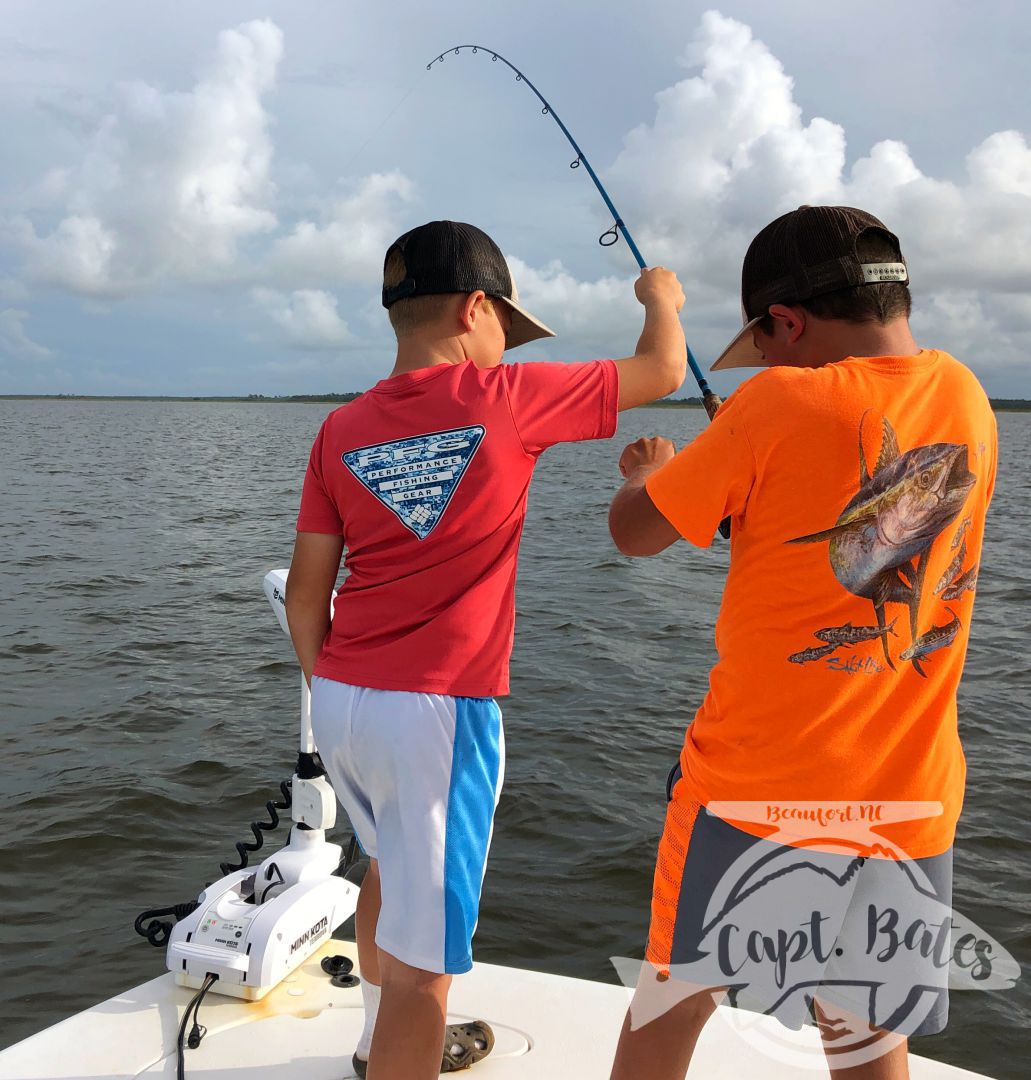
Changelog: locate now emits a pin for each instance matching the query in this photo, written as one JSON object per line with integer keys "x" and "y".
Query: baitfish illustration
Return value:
{"x": 938, "y": 637}
{"x": 880, "y": 542}
{"x": 965, "y": 583}
{"x": 814, "y": 653}
{"x": 853, "y": 635}
{"x": 961, "y": 531}
{"x": 952, "y": 573}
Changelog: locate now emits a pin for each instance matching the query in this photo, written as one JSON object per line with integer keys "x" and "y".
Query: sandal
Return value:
{"x": 465, "y": 1044}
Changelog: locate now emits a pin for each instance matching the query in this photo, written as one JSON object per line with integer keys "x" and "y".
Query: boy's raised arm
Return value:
{"x": 658, "y": 366}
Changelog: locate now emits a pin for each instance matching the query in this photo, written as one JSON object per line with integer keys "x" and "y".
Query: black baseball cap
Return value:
{"x": 453, "y": 257}
{"x": 807, "y": 252}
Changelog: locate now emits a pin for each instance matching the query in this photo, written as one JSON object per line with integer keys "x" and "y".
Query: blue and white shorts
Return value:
{"x": 419, "y": 775}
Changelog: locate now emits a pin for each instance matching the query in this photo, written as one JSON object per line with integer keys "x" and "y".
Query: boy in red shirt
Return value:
{"x": 424, "y": 479}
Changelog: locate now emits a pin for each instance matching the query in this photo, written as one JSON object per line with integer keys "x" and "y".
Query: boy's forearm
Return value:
{"x": 309, "y": 624}
{"x": 662, "y": 339}
{"x": 636, "y": 524}
{"x": 623, "y": 515}
{"x": 313, "y": 572}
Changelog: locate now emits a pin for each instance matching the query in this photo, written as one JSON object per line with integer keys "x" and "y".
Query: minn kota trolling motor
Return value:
{"x": 253, "y": 927}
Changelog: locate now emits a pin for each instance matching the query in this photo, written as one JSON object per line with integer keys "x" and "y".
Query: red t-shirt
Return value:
{"x": 426, "y": 477}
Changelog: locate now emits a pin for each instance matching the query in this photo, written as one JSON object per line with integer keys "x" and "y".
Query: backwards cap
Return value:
{"x": 805, "y": 253}
{"x": 453, "y": 257}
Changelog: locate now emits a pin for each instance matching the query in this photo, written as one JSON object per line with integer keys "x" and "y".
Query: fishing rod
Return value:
{"x": 710, "y": 400}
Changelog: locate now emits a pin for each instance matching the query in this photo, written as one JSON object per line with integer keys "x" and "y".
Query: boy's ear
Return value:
{"x": 471, "y": 309}
{"x": 790, "y": 320}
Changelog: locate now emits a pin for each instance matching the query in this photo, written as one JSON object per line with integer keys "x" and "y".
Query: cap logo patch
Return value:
{"x": 416, "y": 477}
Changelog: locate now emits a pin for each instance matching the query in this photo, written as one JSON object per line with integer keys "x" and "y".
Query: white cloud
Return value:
{"x": 172, "y": 183}
{"x": 347, "y": 246}
{"x": 15, "y": 342}
{"x": 585, "y": 309}
{"x": 175, "y": 188}
{"x": 1002, "y": 163}
{"x": 12, "y": 290}
{"x": 308, "y": 317}
{"x": 729, "y": 149}
{"x": 726, "y": 150}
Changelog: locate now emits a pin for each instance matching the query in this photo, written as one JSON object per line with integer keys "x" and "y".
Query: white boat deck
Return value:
{"x": 547, "y": 1026}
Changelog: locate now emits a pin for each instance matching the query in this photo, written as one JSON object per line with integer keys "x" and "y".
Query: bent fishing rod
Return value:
{"x": 710, "y": 400}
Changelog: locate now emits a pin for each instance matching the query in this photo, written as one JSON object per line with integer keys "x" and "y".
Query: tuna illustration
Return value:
{"x": 815, "y": 653}
{"x": 880, "y": 542}
{"x": 853, "y": 635}
{"x": 938, "y": 637}
{"x": 952, "y": 573}
{"x": 965, "y": 583}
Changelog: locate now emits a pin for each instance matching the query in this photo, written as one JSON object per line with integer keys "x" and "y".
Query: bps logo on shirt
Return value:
{"x": 416, "y": 477}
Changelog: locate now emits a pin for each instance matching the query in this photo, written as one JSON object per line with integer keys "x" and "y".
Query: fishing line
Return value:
{"x": 611, "y": 236}
{"x": 383, "y": 123}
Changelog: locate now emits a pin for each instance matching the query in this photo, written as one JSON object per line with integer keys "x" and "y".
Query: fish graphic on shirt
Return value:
{"x": 953, "y": 571}
{"x": 817, "y": 652}
{"x": 961, "y": 531}
{"x": 881, "y": 542}
{"x": 854, "y": 635}
{"x": 965, "y": 583}
{"x": 938, "y": 637}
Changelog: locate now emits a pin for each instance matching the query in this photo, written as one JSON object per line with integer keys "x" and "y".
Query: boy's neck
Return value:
{"x": 830, "y": 340}
{"x": 416, "y": 352}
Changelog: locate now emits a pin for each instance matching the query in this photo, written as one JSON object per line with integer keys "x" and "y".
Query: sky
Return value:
{"x": 195, "y": 198}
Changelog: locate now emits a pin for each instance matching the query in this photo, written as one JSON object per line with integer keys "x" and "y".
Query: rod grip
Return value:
{"x": 712, "y": 403}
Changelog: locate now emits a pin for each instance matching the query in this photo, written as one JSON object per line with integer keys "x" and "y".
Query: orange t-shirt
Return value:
{"x": 858, "y": 494}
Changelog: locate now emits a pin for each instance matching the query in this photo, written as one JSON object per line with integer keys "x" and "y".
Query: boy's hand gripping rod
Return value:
{"x": 710, "y": 400}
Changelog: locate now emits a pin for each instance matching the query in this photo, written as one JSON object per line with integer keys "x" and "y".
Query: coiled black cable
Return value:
{"x": 259, "y": 828}
{"x": 156, "y": 931}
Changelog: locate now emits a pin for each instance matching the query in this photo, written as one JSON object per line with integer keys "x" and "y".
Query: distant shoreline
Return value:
{"x": 998, "y": 404}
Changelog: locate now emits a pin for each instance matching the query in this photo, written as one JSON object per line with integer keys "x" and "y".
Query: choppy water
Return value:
{"x": 148, "y": 700}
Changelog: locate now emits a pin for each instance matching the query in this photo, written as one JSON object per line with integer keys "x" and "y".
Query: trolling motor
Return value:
{"x": 252, "y": 927}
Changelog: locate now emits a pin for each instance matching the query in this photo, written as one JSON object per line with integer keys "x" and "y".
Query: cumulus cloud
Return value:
{"x": 308, "y": 318}
{"x": 172, "y": 182}
{"x": 347, "y": 244}
{"x": 15, "y": 343}
{"x": 591, "y": 311}
{"x": 175, "y": 188}
{"x": 729, "y": 149}
{"x": 12, "y": 290}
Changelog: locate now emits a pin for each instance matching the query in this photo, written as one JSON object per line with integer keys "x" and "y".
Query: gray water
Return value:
{"x": 148, "y": 701}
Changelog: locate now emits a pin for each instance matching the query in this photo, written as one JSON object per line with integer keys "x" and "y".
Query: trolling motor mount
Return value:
{"x": 253, "y": 927}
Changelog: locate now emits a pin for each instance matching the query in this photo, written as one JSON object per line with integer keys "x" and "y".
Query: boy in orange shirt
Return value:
{"x": 805, "y": 864}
